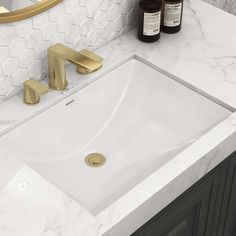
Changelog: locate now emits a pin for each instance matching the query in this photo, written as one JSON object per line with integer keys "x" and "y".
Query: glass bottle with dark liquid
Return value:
{"x": 172, "y": 11}
{"x": 149, "y": 20}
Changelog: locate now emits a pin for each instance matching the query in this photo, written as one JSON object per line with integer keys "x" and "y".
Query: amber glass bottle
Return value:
{"x": 172, "y": 11}
{"x": 149, "y": 20}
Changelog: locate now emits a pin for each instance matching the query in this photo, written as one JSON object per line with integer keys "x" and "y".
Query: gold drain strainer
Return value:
{"x": 95, "y": 159}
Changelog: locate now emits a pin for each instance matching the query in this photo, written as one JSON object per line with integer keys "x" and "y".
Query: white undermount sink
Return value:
{"x": 137, "y": 117}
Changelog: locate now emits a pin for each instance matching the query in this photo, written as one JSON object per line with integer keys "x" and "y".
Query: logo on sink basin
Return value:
{"x": 71, "y": 101}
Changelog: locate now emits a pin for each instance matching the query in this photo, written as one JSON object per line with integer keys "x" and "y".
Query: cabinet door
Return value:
{"x": 191, "y": 214}
{"x": 227, "y": 225}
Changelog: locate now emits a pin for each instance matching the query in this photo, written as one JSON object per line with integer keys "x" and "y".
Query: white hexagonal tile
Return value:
{"x": 58, "y": 38}
{"x": 44, "y": 68}
{"x": 86, "y": 27}
{"x": 64, "y": 23}
{"x": 12, "y": 91}
{"x": 49, "y": 31}
{"x": 26, "y": 58}
{"x": 113, "y": 13}
{"x": 17, "y": 47}
{"x": 24, "y": 28}
{"x": 19, "y": 77}
{"x": 10, "y": 66}
{"x": 107, "y": 30}
{"x": 72, "y": 34}
{"x": 92, "y": 7}
{"x": 56, "y": 12}
{"x": 105, "y": 4}
{"x": 7, "y": 35}
{"x": 40, "y": 21}
{"x": 41, "y": 50}
{"x": 99, "y": 20}
{"x": 4, "y": 54}
{"x": 70, "y": 5}
{"x": 119, "y": 23}
{"x": 126, "y": 6}
{"x": 35, "y": 69}
{"x": 5, "y": 84}
{"x": 33, "y": 39}
{"x": 79, "y": 15}
{"x": 92, "y": 38}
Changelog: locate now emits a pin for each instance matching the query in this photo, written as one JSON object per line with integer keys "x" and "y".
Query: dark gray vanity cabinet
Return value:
{"x": 208, "y": 208}
{"x": 227, "y": 222}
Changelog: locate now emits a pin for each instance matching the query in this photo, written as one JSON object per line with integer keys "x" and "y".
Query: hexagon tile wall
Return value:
{"x": 76, "y": 23}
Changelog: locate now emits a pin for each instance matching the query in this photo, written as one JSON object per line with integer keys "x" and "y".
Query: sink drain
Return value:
{"x": 95, "y": 160}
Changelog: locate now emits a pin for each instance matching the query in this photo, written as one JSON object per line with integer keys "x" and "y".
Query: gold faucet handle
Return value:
{"x": 91, "y": 61}
{"x": 91, "y": 55}
{"x": 32, "y": 91}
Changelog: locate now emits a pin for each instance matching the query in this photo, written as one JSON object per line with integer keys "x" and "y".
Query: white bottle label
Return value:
{"x": 172, "y": 15}
{"x": 151, "y": 24}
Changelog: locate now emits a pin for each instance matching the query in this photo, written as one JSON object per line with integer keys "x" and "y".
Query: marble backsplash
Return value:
{"x": 226, "y": 5}
{"x": 75, "y": 23}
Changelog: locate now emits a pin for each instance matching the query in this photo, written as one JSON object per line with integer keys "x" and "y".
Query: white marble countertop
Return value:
{"x": 203, "y": 56}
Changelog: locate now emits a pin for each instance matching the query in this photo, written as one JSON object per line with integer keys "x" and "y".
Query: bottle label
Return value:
{"x": 172, "y": 14}
{"x": 151, "y": 24}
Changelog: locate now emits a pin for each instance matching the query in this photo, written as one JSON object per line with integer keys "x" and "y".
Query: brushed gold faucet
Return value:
{"x": 32, "y": 90}
{"x": 85, "y": 61}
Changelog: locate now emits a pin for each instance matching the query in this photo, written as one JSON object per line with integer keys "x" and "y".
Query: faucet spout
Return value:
{"x": 85, "y": 61}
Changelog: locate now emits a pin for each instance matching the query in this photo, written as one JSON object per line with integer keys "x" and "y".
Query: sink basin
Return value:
{"x": 135, "y": 116}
